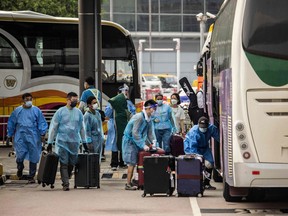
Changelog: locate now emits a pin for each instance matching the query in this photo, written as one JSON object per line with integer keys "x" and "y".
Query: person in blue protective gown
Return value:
{"x": 197, "y": 142}
{"x": 138, "y": 135}
{"x": 93, "y": 127}
{"x": 111, "y": 142}
{"x": 67, "y": 126}
{"x": 28, "y": 127}
{"x": 164, "y": 123}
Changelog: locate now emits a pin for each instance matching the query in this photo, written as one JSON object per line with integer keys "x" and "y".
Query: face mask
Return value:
{"x": 174, "y": 101}
{"x": 28, "y": 103}
{"x": 73, "y": 104}
{"x": 95, "y": 106}
{"x": 203, "y": 130}
{"x": 159, "y": 102}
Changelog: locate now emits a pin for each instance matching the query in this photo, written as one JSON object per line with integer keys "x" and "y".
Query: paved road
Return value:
{"x": 19, "y": 198}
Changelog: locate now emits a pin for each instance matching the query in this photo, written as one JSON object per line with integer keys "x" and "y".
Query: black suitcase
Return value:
{"x": 158, "y": 177}
{"x": 189, "y": 175}
{"x": 47, "y": 169}
{"x": 87, "y": 171}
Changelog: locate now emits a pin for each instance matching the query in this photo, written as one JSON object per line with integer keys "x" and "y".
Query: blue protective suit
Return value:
{"x": 67, "y": 126}
{"x": 94, "y": 131}
{"x": 111, "y": 135}
{"x": 198, "y": 142}
{"x": 164, "y": 123}
{"x": 163, "y": 118}
{"x": 27, "y": 125}
{"x": 138, "y": 132}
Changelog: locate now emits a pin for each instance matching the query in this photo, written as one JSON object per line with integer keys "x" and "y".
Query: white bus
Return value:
{"x": 39, "y": 54}
{"x": 246, "y": 82}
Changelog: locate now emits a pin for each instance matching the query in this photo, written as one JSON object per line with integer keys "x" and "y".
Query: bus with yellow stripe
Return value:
{"x": 39, "y": 54}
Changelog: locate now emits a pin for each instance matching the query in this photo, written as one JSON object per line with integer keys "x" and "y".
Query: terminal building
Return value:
{"x": 169, "y": 19}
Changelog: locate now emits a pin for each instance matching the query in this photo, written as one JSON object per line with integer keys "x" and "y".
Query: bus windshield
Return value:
{"x": 265, "y": 28}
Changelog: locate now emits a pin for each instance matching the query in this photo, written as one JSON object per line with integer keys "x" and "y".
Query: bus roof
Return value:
{"x": 32, "y": 16}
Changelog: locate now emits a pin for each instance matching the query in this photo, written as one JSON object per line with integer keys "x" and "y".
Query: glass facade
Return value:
{"x": 166, "y": 15}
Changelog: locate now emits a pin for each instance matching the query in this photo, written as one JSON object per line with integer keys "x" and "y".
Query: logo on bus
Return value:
{"x": 10, "y": 82}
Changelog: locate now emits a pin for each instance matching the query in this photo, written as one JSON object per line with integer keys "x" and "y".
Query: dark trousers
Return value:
{"x": 32, "y": 168}
{"x": 116, "y": 159}
{"x": 207, "y": 180}
{"x": 66, "y": 172}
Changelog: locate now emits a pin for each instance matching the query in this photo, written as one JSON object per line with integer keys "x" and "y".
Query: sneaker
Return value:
{"x": 134, "y": 183}
{"x": 114, "y": 168}
{"x": 31, "y": 181}
{"x": 209, "y": 187}
{"x": 19, "y": 173}
{"x": 103, "y": 158}
{"x": 123, "y": 166}
{"x": 65, "y": 188}
{"x": 130, "y": 187}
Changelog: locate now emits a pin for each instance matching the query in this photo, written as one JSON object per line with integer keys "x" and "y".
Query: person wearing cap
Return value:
{"x": 138, "y": 136}
{"x": 111, "y": 142}
{"x": 197, "y": 142}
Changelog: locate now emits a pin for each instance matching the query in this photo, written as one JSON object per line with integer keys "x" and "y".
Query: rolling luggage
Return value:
{"x": 87, "y": 171}
{"x": 140, "y": 164}
{"x": 47, "y": 169}
{"x": 177, "y": 145}
{"x": 189, "y": 175}
{"x": 158, "y": 177}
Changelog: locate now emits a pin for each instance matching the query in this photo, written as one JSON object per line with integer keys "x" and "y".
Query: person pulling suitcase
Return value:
{"x": 138, "y": 135}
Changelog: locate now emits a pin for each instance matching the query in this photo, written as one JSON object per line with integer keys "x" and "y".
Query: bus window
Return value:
{"x": 9, "y": 56}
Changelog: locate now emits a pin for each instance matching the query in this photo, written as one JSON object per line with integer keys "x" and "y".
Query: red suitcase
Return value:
{"x": 177, "y": 145}
{"x": 140, "y": 165}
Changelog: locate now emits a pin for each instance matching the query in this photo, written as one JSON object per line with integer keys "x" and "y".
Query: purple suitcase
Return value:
{"x": 189, "y": 175}
{"x": 176, "y": 145}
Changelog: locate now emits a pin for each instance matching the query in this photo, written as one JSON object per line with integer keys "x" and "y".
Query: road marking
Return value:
{"x": 195, "y": 206}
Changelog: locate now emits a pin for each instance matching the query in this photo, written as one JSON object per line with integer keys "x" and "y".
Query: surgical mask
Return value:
{"x": 95, "y": 106}
{"x": 28, "y": 103}
{"x": 73, "y": 104}
{"x": 203, "y": 130}
{"x": 159, "y": 102}
{"x": 174, "y": 101}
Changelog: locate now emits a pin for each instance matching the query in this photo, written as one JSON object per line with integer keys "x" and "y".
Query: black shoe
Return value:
{"x": 134, "y": 182}
{"x": 209, "y": 187}
{"x": 123, "y": 166}
{"x": 103, "y": 158}
{"x": 130, "y": 187}
{"x": 114, "y": 168}
{"x": 65, "y": 187}
{"x": 31, "y": 181}
{"x": 19, "y": 173}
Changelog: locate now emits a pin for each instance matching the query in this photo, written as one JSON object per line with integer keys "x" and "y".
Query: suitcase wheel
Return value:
{"x": 51, "y": 186}
{"x": 199, "y": 195}
{"x": 168, "y": 194}
{"x": 75, "y": 187}
{"x": 43, "y": 185}
{"x": 87, "y": 187}
{"x": 144, "y": 195}
{"x": 39, "y": 182}
{"x": 151, "y": 194}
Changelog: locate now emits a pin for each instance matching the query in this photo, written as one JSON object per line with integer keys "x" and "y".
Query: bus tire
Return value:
{"x": 227, "y": 196}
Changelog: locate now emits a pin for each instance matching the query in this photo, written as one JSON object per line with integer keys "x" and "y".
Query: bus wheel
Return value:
{"x": 227, "y": 196}
{"x": 216, "y": 176}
